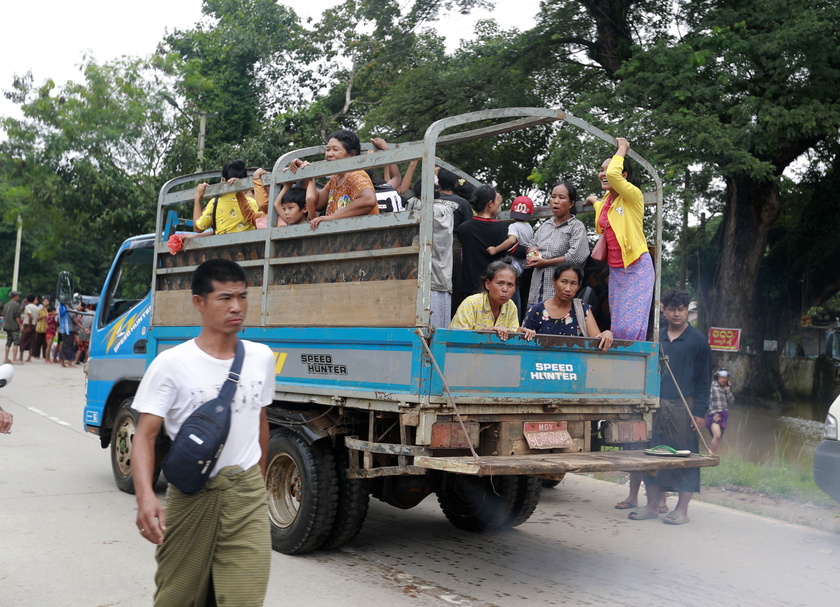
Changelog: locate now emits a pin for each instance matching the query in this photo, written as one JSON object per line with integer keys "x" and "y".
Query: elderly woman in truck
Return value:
{"x": 349, "y": 194}
{"x": 493, "y": 309}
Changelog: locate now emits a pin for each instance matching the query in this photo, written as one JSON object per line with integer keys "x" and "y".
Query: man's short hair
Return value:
{"x": 220, "y": 270}
{"x": 675, "y": 298}
{"x": 30, "y": 297}
{"x": 447, "y": 180}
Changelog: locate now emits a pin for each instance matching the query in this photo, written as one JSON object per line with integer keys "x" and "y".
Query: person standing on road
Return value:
{"x": 11, "y": 326}
{"x": 216, "y": 542}
{"x": 27, "y": 330}
{"x": 690, "y": 359}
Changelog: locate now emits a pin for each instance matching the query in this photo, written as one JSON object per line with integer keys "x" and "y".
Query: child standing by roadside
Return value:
{"x": 720, "y": 399}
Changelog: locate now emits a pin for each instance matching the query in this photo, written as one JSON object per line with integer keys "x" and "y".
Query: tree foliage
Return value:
{"x": 734, "y": 102}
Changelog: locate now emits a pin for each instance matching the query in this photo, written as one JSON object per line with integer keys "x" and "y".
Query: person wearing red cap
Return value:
{"x": 520, "y": 236}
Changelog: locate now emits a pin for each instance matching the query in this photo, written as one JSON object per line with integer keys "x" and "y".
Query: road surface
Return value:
{"x": 69, "y": 539}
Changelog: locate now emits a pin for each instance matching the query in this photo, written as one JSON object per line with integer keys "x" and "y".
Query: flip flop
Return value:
{"x": 625, "y": 505}
{"x": 675, "y": 518}
{"x": 663, "y": 509}
{"x": 641, "y": 514}
{"x": 667, "y": 451}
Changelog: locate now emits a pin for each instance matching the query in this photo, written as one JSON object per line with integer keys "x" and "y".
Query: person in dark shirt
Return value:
{"x": 447, "y": 183}
{"x": 477, "y": 235}
{"x": 690, "y": 359}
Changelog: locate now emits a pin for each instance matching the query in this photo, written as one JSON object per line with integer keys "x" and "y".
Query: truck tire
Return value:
{"x": 528, "y": 493}
{"x": 549, "y": 483}
{"x": 353, "y": 500}
{"x": 122, "y": 438}
{"x": 302, "y": 492}
{"x": 477, "y": 503}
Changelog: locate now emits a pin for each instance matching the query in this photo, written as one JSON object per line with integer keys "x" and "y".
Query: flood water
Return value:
{"x": 772, "y": 433}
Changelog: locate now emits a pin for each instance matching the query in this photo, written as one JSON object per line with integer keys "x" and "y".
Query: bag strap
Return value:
{"x": 229, "y": 387}
{"x": 580, "y": 316}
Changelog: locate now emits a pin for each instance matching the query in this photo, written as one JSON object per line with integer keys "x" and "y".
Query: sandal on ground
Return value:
{"x": 675, "y": 518}
{"x": 625, "y": 505}
{"x": 642, "y": 514}
{"x": 663, "y": 509}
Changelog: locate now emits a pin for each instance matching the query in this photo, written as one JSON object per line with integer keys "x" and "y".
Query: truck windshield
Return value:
{"x": 130, "y": 282}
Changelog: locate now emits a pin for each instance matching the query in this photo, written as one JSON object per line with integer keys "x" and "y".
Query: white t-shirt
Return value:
{"x": 524, "y": 236}
{"x": 183, "y": 378}
{"x": 30, "y": 314}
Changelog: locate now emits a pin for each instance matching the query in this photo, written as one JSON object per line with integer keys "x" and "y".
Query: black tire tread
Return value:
{"x": 124, "y": 482}
{"x": 353, "y": 501}
{"x": 477, "y": 503}
{"x": 529, "y": 490}
{"x": 315, "y": 519}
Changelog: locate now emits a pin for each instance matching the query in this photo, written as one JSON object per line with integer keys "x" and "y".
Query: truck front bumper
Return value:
{"x": 827, "y": 467}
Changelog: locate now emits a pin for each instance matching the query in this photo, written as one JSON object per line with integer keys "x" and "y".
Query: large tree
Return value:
{"x": 746, "y": 90}
{"x": 82, "y": 168}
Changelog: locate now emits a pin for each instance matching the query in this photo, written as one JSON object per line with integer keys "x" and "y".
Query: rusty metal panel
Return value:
{"x": 558, "y": 463}
{"x": 352, "y": 442}
{"x": 450, "y": 435}
{"x": 624, "y": 431}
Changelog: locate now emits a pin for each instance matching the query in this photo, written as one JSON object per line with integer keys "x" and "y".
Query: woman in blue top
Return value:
{"x": 556, "y": 316}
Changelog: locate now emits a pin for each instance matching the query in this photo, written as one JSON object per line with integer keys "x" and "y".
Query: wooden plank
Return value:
{"x": 175, "y": 308}
{"x": 557, "y": 463}
{"x": 375, "y": 303}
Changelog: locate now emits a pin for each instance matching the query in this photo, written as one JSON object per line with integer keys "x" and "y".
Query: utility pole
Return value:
{"x": 16, "y": 271}
{"x": 684, "y": 231}
{"x": 202, "y": 127}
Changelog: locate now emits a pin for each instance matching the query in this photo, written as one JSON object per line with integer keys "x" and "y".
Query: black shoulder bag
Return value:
{"x": 202, "y": 437}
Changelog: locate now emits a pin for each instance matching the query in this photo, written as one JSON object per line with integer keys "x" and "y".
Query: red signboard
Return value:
{"x": 728, "y": 340}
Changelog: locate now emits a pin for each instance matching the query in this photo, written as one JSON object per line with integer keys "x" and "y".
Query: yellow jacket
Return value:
{"x": 626, "y": 214}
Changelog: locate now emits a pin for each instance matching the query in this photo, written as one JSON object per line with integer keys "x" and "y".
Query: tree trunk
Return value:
{"x": 752, "y": 208}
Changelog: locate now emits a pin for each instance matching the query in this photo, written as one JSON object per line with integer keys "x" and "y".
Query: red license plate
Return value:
{"x": 547, "y": 435}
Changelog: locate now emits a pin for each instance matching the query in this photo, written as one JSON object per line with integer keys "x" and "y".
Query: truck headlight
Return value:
{"x": 830, "y": 431}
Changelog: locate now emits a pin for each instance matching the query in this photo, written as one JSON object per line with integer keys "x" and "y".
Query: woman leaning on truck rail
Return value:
{"x": 493, "y": 309}
{"x": 349, "y": 194}
{"x": 557, "y": 316}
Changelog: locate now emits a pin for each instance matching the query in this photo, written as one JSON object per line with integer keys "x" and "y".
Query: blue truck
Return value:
{"x": 369, "y": 400}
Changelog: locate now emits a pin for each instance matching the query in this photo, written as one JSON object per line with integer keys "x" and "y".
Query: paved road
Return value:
{"x": 67, "y": 537}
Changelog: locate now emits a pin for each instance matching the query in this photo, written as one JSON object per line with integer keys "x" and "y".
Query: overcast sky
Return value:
{"x": 52, "y": 37}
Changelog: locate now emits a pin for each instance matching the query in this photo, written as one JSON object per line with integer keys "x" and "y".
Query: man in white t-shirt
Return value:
{"x": 217, "y": 540}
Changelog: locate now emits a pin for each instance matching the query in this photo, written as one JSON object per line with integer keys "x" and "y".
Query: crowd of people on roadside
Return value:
{"x": 39, "y": 330}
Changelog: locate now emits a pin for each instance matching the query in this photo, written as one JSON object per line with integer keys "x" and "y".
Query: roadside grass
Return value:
{"x": 773, "y": 479}
{"x": 786, "y": 472}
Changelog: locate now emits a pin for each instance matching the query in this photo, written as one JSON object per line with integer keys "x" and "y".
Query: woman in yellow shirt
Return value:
{"x": 492, "y": 309}
{"x": 619, "y": 217}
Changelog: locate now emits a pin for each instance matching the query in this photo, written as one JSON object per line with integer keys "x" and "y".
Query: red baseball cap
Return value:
{"x": 522, "y": 208}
